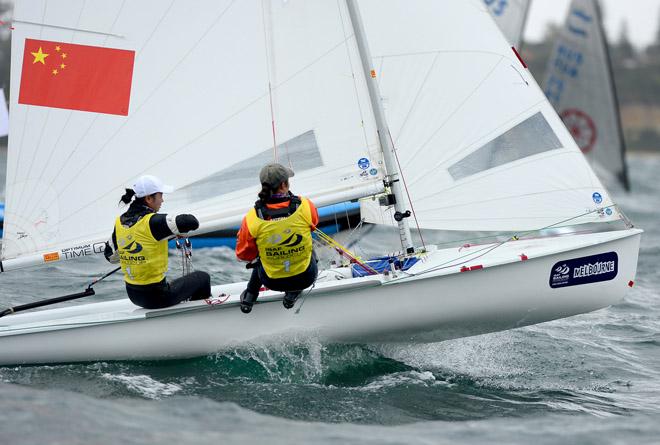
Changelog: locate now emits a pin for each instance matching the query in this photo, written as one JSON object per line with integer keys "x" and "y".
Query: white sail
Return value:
{"x": 202, "y": 106}
{"x": 479, "y": 145}
{"x": 580, "y": 86}
{"x": 510, "y": 16}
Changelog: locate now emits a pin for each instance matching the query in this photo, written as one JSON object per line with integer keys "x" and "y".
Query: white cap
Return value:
{"x": 148, "y": 185}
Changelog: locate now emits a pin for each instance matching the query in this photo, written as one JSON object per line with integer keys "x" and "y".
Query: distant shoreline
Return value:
{"x": 652, "y": 153}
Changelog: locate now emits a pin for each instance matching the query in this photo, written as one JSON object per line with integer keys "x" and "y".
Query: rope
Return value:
{"x": 303, "y": 296}
{"x": 103, "y": 277}
{"x": 514, "y": 234}
{"x": 405, "y": 185}
{"x": 268, "y": 55}
{"x": 488, "y": 249}
{"x": 344, "y": 251}
{"x": 186, "y": 255}
{"x": 468, "y": 257}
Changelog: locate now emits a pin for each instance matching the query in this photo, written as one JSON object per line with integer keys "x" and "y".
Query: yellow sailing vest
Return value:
{"x": 285, "y": 244}
{"x": 143, "y": 259}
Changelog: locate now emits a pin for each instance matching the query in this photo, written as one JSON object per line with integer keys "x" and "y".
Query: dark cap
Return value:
{"x": 274, "y": 174}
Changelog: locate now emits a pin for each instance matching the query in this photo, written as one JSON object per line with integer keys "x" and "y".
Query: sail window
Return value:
{"x": 301, "y": 153}
{"x": 530, "y": 137}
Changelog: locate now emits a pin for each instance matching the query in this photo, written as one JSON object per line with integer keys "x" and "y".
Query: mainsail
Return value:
{"x": 216, "y": 91}
{"x": 480, "y": 146}
{"x": 579, "y": 84}
{"x": 510, "y": 16}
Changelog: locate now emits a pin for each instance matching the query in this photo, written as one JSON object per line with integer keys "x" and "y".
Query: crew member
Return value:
{"x": 276, "y": 238}
{"x": 139, "y": 243}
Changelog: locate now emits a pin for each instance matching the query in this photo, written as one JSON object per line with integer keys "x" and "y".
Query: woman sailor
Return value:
{"x": 139, "y": 243}
{"x": 275, "y": 236}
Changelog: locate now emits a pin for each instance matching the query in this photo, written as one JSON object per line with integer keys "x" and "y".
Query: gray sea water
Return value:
{"x": 592, "y": 379}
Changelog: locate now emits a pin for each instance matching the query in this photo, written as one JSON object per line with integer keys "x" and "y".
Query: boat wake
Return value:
{"x": 554, "y": 368}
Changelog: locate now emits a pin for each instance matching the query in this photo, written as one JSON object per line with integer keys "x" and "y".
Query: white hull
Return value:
{"x": 432, "y": 306}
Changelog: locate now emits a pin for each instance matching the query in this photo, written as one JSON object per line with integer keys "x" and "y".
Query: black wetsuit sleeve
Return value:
{"x": 186, "y": 223}
{"x": 163, "y": 226}
{"x": 159, "y": 228}
{"x": 110, "y": 250}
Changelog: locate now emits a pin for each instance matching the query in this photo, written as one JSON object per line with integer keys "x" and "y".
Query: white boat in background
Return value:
{"x": 362, "y": 98}
{"x": 510, "y": 16}
{"x": 580, "y": 85}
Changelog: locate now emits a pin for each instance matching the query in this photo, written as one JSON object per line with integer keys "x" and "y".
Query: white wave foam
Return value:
{"x": 399, "y": 379}
{"x": 145, "y": 385}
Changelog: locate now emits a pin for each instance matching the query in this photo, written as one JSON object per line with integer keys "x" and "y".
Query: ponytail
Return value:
{"x": 265, "y": 193}
{"x": 128, "y": 196}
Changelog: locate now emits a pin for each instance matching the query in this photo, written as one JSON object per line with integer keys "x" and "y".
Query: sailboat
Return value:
{"x": 580, "y": 85}
{"x": 510, "y": 16}
{"x": 366, "y": 98}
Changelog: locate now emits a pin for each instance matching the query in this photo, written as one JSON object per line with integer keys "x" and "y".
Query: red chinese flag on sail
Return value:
{"x": 76, "y": 77}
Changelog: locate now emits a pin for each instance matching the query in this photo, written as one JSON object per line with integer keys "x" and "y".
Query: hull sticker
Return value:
{"x": 584, "y": 270}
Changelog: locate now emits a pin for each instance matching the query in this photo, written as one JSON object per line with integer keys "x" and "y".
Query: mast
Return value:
{"x": 523, "y": 23}
{"x": 387, "y": 147}
{"x": 623, "y": 174}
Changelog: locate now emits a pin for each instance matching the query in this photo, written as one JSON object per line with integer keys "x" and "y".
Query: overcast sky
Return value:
{"x": 642, "y": 17}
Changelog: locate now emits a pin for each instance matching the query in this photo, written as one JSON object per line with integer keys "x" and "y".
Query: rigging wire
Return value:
{"x": 158, "y": 86}
{"x": 405, "y": 186}
{"x": 358, "y": 229}
{"x": 462, "y": 259}
{"x": 269, "y": 55}
{"x": 350, "y": 64}
{"x": 343, "y": 251}
{"x": 354, "y": 231}
{"x": 489, "y": 248}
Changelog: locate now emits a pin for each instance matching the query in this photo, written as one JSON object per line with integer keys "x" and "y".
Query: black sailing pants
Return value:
{"x": 295, "y": 283}
{"x": 194, "y": 286}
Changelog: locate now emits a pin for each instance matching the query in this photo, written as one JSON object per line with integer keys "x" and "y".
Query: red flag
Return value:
{"x": 76, "y": 77}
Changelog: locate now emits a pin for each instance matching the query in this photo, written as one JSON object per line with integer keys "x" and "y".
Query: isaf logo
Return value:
{"x": 561, "y": 275}
{"x": 133, "y": 248}
{"x": 292, "y": 241}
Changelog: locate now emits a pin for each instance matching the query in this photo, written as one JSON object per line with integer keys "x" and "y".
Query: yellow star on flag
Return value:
{"x": 39, "y": 56}
{"x": 55, "y": 71}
